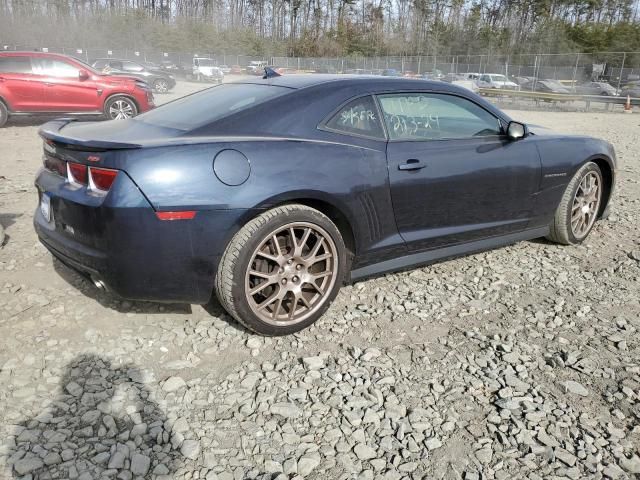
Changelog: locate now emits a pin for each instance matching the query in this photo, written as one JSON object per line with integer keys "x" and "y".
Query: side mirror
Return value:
{"x": 516, "y": 130}
{"x": 83, "y": 75}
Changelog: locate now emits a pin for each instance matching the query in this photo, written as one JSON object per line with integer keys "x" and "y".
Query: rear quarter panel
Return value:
{"x": 350, "y": 178}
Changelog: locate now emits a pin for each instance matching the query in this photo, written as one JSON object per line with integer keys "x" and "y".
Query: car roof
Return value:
{"x": 299, "y": 81}
{"x": 35, "y": 54}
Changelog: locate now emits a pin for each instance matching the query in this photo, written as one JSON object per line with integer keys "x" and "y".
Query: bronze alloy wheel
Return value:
{"x": 586, "y": 203}
{"x": 291, "y": 273}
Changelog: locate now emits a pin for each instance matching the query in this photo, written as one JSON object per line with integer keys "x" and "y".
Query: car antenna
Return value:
{"x": 270, "y": 73}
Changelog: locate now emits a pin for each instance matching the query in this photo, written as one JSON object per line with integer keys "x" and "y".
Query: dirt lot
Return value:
{"x": 522, "y": 362}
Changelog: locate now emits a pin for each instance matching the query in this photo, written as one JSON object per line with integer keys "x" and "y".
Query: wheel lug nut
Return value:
{"x": 289, "y": 262}
{"x": 295, "y": 278}
{"x": 298, "y": 267}
{"x": 284, "y": 281}
{"x": 281, "y": 270}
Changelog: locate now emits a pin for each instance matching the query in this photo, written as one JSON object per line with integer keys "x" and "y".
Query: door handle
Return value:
{"x": 412, "y": 164}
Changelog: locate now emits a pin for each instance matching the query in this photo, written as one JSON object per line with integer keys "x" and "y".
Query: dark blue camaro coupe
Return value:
{"x": 277, "y": 191}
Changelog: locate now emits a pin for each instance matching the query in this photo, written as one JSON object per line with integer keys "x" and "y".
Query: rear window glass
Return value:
{"x": 15, "y": 65}
{"x": 204, "y": 107}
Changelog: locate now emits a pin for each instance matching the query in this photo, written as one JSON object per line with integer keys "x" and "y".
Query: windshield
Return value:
{"x": 206, "y": 106}
{"x": 499, "y": 78}
{"x": 205, "y": 62}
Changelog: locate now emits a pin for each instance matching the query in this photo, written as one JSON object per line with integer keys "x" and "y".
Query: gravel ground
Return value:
{"x": 521, "y": 362}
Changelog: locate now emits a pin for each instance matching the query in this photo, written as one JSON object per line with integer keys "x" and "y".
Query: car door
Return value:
{"x": 22, "y": 89}
{"x": 454, "y": 176}
{"x": 65, "y": 90}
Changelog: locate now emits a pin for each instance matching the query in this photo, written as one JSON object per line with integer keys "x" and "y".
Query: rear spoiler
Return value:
{"x": 51, "y": 131}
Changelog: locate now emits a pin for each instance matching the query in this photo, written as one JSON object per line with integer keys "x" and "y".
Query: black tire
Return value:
{"x": 240, "y": 255}
{"x": 4, "y": 114}
{"x": 120, "y": 103}
{"x": 161, "y": 86}
{"x": 561, "y": 230}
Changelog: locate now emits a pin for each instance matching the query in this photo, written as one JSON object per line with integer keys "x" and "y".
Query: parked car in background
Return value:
{"x": 48, "y": 83}
{"x": 631, "y": 89}
{"x": 452, "y": 77}
{"x": 597, "y": 88}
{"x": 256, "y": 67}
{"x": 496, "y": 80}
{"x": 545, "y": 86}
{"x": 225, "y": 69}
{"x": 471, "y": 75}
{"x": 369, "y": 175}
{"x": 205, "y": 70}
{"x": 236, "y": 70}
{"x": 171, "y": 67}
{"x": 159, "y": 80}
{"x": 524, "y": 80}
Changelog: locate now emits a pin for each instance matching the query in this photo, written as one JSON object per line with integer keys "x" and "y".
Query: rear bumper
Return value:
{"x": 136, "y": 255}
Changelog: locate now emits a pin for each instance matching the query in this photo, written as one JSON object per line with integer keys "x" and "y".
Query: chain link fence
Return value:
{"x": 571, "y": 68}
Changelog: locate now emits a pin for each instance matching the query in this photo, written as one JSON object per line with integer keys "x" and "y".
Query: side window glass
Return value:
{"x": 132, "y": 67}
{"x": 56, "y": 68}
{"x": 359, "y": 117}
{"x": 432, "y": 116}
{"x": 15, "y": 65}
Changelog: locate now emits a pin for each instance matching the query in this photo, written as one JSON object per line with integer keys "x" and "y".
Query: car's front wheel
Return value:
{"x": 4, "y": 113}
{"x": 281, "y": 271}
{"x": 579, "y": 206}
{"x": 120, "y": 108}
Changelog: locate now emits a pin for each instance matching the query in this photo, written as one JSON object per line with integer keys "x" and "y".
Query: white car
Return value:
{"x": 496, "y": 80}
{"x": 205, "y": 70}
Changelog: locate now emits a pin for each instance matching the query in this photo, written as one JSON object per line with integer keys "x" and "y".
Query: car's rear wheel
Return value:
{"x": 4, "y": 113}
{"x": 120, "y": 108}
{"x": 281, "y": 271}
{"x": 161, "y": 86}
{"x": 579, "y": 207}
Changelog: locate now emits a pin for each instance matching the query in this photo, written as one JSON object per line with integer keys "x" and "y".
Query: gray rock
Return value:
{"x": 139, "y": 464}
{"x": 117, "y": 460}
{"x": 313, "y": 363}
{"x": 190, "y": 449}
{"x": 576, "y": 388}
{"x": 285, "y": 409}
{"x": 28, "y": 465}
{"x": 631, "y": 465}
{"x": 74, "y": 389}
{"x": 432, "y": 443}
{"x": 364, "y": 452}
{"x": 307, "y": 463}
{"x": 172, "y": 384}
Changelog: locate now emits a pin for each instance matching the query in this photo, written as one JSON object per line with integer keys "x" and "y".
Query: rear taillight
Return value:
{"x": 101, "y": 178}
{"x": 77, "y": 173}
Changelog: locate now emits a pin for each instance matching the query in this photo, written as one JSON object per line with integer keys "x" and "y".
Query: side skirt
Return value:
{"x": 432, "y": 256}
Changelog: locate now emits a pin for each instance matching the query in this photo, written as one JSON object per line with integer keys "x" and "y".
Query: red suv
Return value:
{"x": 48, "y": 83}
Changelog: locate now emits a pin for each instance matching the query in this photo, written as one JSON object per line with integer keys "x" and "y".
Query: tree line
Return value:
{"x": 327, "y": 27}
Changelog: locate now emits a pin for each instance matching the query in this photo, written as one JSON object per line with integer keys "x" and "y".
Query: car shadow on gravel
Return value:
{"x": 103, "y": 422}
{"x": 110, "y": 300}
{"x": 214, "y": 309}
